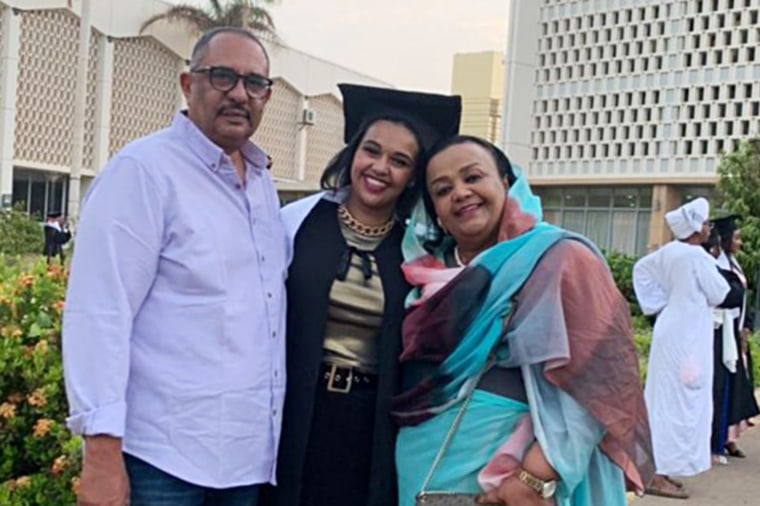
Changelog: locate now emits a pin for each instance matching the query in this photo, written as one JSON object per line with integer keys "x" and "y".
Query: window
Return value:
{"x": 39, "y": 192}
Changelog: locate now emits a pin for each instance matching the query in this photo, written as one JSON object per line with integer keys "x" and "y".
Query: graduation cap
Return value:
{"x": 726, "y": 225}
{"x": 432, "y": 116}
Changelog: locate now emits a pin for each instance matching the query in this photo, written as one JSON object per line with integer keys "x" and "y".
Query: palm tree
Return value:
{"x": 243, "y": 13}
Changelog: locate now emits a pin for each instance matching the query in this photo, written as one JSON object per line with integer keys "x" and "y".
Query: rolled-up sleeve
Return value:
{"x": 115, "y": 260}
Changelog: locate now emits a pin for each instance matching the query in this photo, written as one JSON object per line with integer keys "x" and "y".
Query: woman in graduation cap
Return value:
{"x": 733, "y": 393}
{"x": 521, "y": 380}
{"x": 346, "y": 302}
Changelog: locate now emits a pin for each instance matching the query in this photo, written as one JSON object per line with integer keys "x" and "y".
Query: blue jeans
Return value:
{"x": 149, "y": 486}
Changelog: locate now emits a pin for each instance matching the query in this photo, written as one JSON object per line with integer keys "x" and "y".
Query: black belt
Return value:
{"x": 342, "y": 379}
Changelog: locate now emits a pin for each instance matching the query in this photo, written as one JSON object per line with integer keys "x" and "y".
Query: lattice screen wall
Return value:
{"x": 88, "y": 158}
{"x": 2, "y": 47}
{"x": 145, "y": 88}
{"x": 45, "y": 93}
{"x": 278, "y": 131}
{"x": 645, "y": 86}
{"x": 325, "y": 136}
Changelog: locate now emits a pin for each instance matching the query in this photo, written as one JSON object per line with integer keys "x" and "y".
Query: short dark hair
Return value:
{"x": 337, "y": 174}
{"x": 201, "y": 45}
{"x": 500, "y": 159}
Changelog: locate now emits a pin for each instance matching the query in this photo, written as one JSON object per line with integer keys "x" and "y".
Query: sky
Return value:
{"x": 406, "y": 43}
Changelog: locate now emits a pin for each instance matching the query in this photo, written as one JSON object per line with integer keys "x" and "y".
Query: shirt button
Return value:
{"x": 237, "y": 185}
{"x": 274, "y": 412}
{"x": 269, "y": 295}
{"x": 262, "y": 258}
{"x": 274, "y": 335}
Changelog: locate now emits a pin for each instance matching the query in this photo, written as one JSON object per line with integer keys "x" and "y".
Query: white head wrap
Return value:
{"x": 688, "y": 219}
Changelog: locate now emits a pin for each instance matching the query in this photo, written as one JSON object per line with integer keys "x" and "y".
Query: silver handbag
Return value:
{"x": 447, "y": 498}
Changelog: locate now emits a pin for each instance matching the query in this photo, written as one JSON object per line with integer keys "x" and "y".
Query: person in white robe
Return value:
{"x": 680, "y": 283}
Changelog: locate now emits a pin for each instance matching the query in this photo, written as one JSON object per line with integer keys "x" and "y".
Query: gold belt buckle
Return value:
{"x": 331, "y": 381}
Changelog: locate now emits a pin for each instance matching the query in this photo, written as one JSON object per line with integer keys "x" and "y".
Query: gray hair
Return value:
{"x": 201, "y": 46}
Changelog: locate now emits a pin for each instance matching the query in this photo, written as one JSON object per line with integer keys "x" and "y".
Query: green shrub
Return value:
{"x": 642, "y": 340}
{"x": 20, "y": 234}
{"x": 39, "y": 459}
{"x": 754, "y": 349}
{"x": 621, "y": 266}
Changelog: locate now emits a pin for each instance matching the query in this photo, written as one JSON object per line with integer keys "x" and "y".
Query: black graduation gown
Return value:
{"x": 318, "y": 248}
{"x": 733, "y": 394}
{"x": 54, "y": 241}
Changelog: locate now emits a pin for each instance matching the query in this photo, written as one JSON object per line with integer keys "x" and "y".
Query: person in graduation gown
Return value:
{"x": 346, "y": 302}
{"x": 680, "y": 283}
{"x": 734, "y": 400}
{"x": 725, "y": 351}
{"x": 56, "y": 235}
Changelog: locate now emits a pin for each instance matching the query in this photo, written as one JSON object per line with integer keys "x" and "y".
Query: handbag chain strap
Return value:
{"x": 455, "y": 425}
{"x": 460, "y": 414}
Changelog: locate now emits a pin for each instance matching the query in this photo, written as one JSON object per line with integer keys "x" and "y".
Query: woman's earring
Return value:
{"x": 440, "y": 225}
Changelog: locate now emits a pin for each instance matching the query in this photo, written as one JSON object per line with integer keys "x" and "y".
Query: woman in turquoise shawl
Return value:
{"x": 562, "y": 405}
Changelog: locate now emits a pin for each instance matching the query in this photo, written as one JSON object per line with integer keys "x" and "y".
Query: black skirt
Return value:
{"x": 339, "y": 451}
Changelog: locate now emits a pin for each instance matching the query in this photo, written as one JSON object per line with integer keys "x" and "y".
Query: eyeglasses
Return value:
{"x": 224, "y": 79}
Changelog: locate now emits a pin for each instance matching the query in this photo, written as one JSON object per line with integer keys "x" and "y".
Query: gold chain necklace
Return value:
{"x": 349, "y": 221}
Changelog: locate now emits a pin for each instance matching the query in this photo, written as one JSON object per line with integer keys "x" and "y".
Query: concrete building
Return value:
{"x": 619, "y": 109}
{"x": 479, "y": 79}
{"x": 131, "y": 90}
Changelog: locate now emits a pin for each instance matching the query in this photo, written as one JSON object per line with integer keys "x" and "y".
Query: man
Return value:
{"x": 680, "y": 283}
{"x": 174, "y": 322}
{"x": 56, "y": 235}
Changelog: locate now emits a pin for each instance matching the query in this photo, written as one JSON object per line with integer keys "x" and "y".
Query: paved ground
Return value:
{"x": 735, "y": 484}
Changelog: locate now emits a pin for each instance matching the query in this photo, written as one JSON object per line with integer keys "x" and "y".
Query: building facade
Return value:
{"x": 619, "y": 110}
{"x": 479, "y": 79}
{"x": 132, "y": 89}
